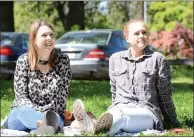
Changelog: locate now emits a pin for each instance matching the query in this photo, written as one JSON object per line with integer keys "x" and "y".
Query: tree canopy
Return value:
{"x": 68, "y": 15}
{"x": 118, "y": 13}
{"x": 27, "y": 12}
{"x": 165, "y": 15}
{"x": 62, "y": 14}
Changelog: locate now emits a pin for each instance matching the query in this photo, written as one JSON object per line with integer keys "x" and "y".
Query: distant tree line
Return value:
{"x": 75, "y": 15}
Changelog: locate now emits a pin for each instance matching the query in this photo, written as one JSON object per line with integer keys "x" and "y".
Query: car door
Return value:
{"x": 20, "y": 46}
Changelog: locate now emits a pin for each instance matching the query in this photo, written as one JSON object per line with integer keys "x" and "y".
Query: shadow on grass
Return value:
{"x": 87, "y": 88}
{"x": 7, "y": 90}
{"x": 78, "y": 88}
{"x": 182, "y": 87}
{"x": 188, "y": 121}
{"x": 182, "y": 71}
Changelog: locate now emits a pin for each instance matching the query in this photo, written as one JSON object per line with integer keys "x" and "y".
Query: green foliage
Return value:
{"x": 161, "y": 15}
{"x": 164, "y": 15}
{"x": 99, "y": 21}
{"x": 75, "y": 28}
{"x": 118, "y": 13}
{"x": 117, "y": 19}
{"x": 27, "y": 12}
{"x": 94, "y": 19}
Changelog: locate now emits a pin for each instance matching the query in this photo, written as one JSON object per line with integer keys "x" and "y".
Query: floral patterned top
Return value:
{"x": 42, "y": 91}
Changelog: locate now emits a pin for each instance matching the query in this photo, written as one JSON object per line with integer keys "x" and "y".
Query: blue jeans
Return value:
{"x": 25, "y": 119}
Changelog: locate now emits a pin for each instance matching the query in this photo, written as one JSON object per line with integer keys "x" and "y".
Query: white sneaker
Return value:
{"x": 86, "y": 124}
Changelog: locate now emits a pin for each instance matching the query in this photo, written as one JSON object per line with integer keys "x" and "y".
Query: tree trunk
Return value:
{"x": 76, "y": 14}
{"x": 71, "y": 13}
{"x": 6, "y": 16}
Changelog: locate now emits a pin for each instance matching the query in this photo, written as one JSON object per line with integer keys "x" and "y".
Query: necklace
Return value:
{"x": 42, "y": 62}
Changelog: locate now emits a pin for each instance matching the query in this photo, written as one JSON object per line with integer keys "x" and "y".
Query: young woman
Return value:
{"x": 141, "y": 90}
{"x": 41, "y": 84}
{"x": 140, "y": 82}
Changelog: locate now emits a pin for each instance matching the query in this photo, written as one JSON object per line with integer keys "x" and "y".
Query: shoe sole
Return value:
{"x": 104, "y": 123}
{"x": 80, "y": 114}
{"x": 51, "y": 119}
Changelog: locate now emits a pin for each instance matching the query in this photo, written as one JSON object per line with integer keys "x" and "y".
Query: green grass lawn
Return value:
{"x": 96, "y": 96}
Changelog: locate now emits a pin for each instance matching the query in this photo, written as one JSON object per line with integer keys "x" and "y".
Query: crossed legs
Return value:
{"x": 122, "y": 117}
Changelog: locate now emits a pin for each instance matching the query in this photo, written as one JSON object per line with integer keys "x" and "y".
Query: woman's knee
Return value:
{"x": 23, "y": 118}
{"x": 117, "y": 115}
{"x": 117, "y": 123}
{"x": 14, "y": 121}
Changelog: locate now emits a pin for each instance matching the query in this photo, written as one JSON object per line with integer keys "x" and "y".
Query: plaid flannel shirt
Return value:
{"x": 145, "y": 82}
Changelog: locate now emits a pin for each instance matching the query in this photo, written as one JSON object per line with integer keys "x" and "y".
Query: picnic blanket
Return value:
{"x": 69, "y": 131}
{"x": 146, "y": 132}
{"x": 10, "y": 132}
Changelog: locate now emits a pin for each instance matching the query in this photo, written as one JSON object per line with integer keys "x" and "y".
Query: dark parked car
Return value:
{"x": 89, "y": 51}
{"x": 12, "y": 45}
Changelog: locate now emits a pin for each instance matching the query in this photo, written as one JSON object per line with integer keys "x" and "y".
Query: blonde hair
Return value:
{"x": 32, "y": 53}
{"x": 126, "y": 27}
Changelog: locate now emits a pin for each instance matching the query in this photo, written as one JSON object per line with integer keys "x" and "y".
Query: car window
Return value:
{"x": 116, "y": 40}
{"x": 121, "y": 37}
{"x": 25, "y": 42}
{"x": 84, "y": 38}
{"x": 7, "y": 39}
